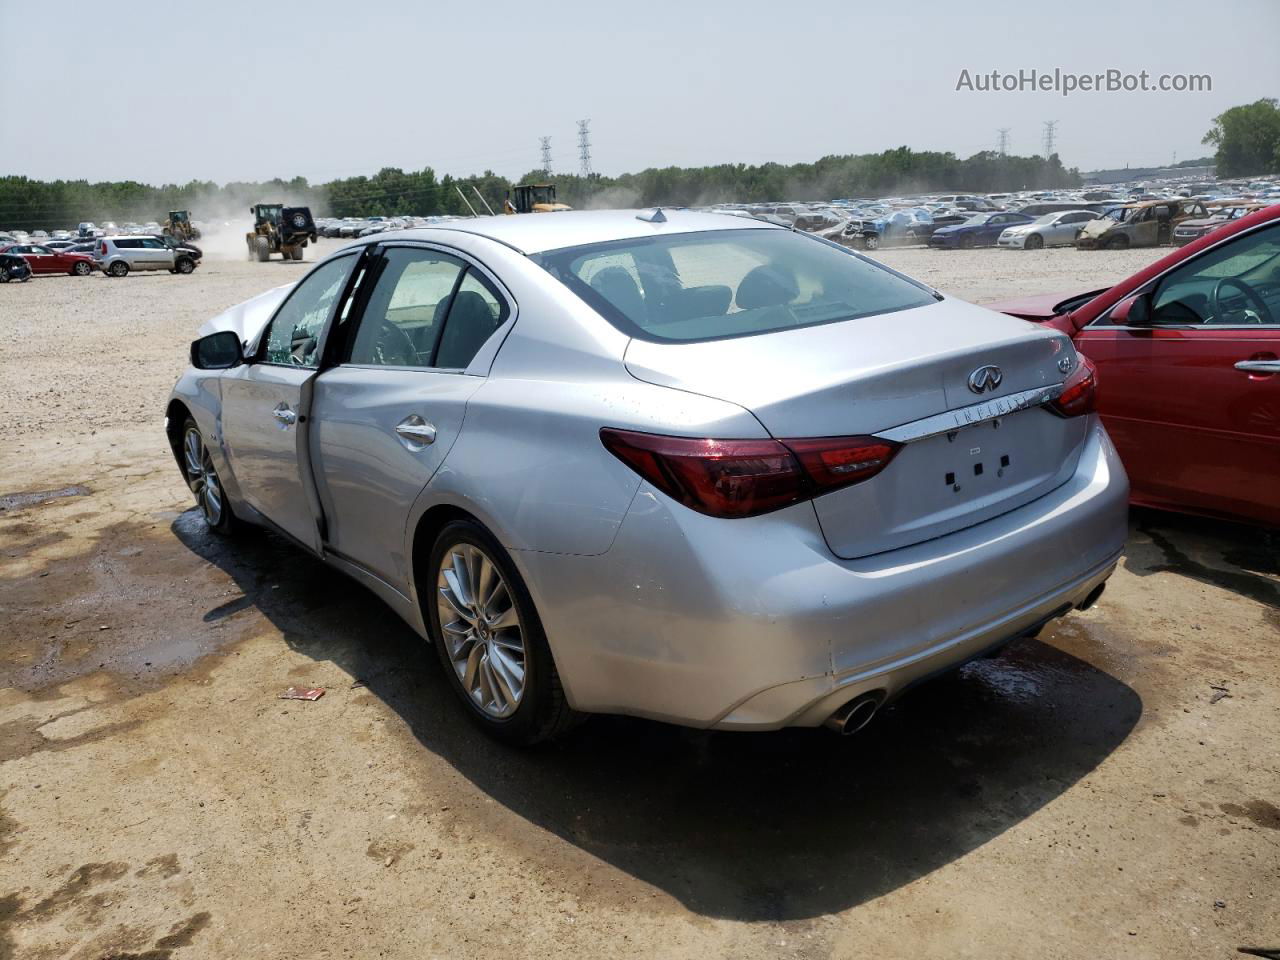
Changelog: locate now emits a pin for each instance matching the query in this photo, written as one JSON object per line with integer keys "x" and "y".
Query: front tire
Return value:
{"x": 489, "y": 637}
{"x": 184, "y": 265}
{"x": 870, "y": 242}
{"x": 966, "y": 242}
{"x": 202, "y": 478}
{"x": 1034, "y": 242}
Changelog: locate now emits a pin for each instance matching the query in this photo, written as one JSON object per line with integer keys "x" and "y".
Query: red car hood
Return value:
{"x": 1037, "y": 306}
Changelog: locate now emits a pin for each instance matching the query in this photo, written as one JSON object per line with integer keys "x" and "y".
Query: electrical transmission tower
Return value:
{"x": 584, "y": 148}
{"x": 1050, "y": 128}
{"x": 1004, "y": 141}
{"x": 545, "y": 144}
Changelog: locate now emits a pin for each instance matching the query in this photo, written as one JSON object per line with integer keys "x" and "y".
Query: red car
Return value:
{"x": 43, "y": 260}
{"x": 1188, "y": 359}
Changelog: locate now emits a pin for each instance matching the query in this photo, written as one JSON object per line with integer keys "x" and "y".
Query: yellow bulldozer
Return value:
{"x": 534, "y": 198}
{"x": 179, "y": 226}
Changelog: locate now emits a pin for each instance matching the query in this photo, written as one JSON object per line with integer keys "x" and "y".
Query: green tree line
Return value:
{"x": 35, "y": 204}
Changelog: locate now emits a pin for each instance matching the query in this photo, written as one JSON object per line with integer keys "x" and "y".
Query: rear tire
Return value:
{"x": 297, "y": 253}
{"x": 118, "y": 269}
{"x": 82, "y": 269}
{"x": 540, "y": 711}
{"x": 264, "y": 249}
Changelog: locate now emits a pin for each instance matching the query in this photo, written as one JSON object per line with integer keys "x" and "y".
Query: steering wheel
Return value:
{"x": 1261, "y": 315}
{"x": 395, "y": 348}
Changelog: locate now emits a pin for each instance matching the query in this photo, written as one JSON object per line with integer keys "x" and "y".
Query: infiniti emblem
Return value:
{"x": 985, "y": 378}
{"x": 1064, "y": 364}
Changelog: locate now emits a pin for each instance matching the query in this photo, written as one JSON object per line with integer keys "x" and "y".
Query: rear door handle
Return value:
{"x": 284, "y": 415}
{"x": 416, "y": 432}
{"x": 1259, "y": 366}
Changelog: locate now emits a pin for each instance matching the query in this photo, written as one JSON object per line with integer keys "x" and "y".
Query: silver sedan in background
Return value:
{"x": 1057, "y": 229}
{"x": 681, "y": 466}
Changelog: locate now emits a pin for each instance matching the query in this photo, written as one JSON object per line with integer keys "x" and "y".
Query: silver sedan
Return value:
{"x": 675, "y": 465}
{"x": 1051, "y": 230}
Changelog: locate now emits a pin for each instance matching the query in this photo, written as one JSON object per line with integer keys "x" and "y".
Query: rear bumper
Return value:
{"x": 755, "y": 625}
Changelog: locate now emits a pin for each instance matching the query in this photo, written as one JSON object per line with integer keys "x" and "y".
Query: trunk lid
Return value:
{"x": 873, "y": 374}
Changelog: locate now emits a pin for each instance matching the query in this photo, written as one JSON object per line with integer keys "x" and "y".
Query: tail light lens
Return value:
{"x": 1080, "y": 392}
{"x": 743, "y": 478}
{"x": 102, "y": 247}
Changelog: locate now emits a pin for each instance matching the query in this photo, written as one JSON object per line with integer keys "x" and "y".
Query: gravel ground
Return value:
{"x": 1108, "y": 790}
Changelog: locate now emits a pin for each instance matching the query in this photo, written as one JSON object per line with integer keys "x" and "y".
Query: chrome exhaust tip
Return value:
{"x": 855, "y": 714}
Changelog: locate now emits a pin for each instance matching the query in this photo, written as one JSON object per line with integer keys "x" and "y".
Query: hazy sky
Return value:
{"x": 245, "y": 91}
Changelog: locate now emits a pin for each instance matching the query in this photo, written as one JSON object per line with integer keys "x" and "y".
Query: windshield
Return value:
{"x": 977, "y": 221}
{"x": 1048, "y": 218}
{"x": 728, "y": 283}
{"x": 1119, "y": 214}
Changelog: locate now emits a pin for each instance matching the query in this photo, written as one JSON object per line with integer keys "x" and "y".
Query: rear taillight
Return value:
{"x": 1079, "y": 392}
{"x": 742, "y": 478}
{"x": 102, "y": 248}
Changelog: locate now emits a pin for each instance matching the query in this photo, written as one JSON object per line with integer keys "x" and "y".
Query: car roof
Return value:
{"x": 538, "y": 232}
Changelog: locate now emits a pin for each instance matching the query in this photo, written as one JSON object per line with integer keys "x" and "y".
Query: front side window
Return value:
{"x": 727, "y": 283}
{"x": 1235, "y": 284}
{"x": 294, "y": 334}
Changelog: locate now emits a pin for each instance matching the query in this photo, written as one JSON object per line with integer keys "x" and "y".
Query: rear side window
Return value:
{"x": 405, "y": 313}
{"x": 728, "y": 283}
{"x": 427, "y": 309}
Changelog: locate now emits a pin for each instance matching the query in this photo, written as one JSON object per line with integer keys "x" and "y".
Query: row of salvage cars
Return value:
{"x": 1099, "y": 226}
{"x": 716, "y": 472}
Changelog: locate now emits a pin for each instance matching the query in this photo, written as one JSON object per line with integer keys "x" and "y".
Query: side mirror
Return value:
{"x": 1133, "y": 312}
{"x": 217, "y": 351}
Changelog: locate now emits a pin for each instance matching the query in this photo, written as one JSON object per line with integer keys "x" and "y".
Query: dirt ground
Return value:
{"x": 1109, "y": 790}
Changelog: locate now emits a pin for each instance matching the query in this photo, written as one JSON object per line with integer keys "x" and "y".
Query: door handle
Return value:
{"x": 1259, "y": 366}
{"x": 284, "y": 415}
{"x": 416, "y": 432}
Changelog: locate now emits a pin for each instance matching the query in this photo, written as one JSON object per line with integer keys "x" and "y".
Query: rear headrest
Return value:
{"x": 617, "y": 286}
{"x": 766, "y": 286}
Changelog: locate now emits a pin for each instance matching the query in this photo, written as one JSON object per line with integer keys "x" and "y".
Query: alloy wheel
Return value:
{"x": 481, "y": 629}
{"x": 202, "y": 477}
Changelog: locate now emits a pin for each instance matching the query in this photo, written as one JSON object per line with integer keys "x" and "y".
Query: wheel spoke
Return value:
{"x": 506, "y": 619}
{"x": 485, "y": 582}
{"x": 509, "y": 673}
{"x": 193, "y": 455}
{"x": 461, "y": 582}
{"x": 472, "y": 668}
{"x": 454, "y": 595}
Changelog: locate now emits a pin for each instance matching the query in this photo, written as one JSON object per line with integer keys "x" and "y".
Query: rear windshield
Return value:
{"x": 728, "y": 283}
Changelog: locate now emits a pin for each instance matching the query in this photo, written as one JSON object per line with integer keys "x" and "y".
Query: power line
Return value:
{"x": 1004, "y": 141}
{"x": 546, "y": 153}
{"x": 1050, "y": 128}
{"x": 584, "y": 148}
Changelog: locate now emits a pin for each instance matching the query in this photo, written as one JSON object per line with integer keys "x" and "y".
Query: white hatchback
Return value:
{"x": 116, "y": 256}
